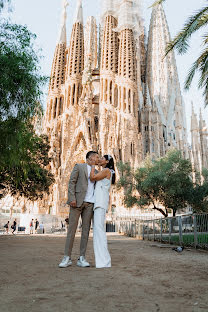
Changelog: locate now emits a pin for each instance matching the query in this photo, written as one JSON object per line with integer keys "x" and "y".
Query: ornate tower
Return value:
{"x": 203, "y": 134}
{"x": 108, "y": 88}
{"x": 127, "y": 81}
{"x": 78, "y": 120}
{"x": 57, "y": 80}
{"x": 75, "y": 60}
{"x": 164, "y": 88}
{"x": 195, "y": 142}
{"x": 54, "y": 113}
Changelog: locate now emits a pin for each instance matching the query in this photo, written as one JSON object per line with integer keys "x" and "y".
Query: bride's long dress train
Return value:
{"x": 102, "y": 256}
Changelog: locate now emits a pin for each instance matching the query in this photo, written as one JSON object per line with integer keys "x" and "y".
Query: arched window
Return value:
{"x": 69, "y": 96}
{"x": 55, "y": 108}
{"x": 61, "y": 105}
{"x": 124, "y": 99}
{"x": 129, "y": 100}
{"x": 50, "y": 109}
{"x": 110, "y": 92}
{"x": 73, "y": 94}
{"x": 116, "y": 96}
{"x": 134, "y": 104}
{"x": 105, "y": 90}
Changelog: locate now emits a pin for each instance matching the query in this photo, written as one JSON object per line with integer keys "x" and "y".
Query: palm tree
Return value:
{"x": 181, "y": 43}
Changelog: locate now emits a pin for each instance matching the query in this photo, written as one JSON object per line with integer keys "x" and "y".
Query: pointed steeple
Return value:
{"x": 162, "y": 78}
{"x": 78, "y": 16}
{"x": 108, "y": 8}
{"x": 162, "y": 74}
{"x": 126, "y": 18}
{"x": 62, "y": 33}
{"x": 59, "y": 60}
{"x": 75, "y": 59}
{"x": 194, "y": 121}
{"x": 90, "y": 44}
{"x": 201, "y": 122}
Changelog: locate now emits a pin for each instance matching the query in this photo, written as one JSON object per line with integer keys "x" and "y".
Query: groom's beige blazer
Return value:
{"x": 78, "y": 184}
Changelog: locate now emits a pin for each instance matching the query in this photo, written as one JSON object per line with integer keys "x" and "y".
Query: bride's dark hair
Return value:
{"x": 110, "y": 165}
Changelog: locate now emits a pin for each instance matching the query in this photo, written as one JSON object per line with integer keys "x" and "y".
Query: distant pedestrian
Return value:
{"x": 41, "y": 227}
{"x": 62, "y": 225}
{"x": 31, "y": 226}
{"x": 36, "y": 225}
{"x": 67, "y": 223}
{"x": 6, "y": 226}
{"x": 14, "y": 226}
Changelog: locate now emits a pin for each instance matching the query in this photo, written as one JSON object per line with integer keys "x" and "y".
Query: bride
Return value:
{"x": 103, "y": 180}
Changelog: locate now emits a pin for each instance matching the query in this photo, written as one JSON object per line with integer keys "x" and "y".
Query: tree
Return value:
{"x": 23, "y": 161}
{"x": 194, "y": 23}
{"x": 165, "y": 182}
{"x": 23, "y": 154}
{"x": 199, "y": 200}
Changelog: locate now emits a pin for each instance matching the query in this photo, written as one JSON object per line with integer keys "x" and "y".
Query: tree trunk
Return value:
{"x": 161, "y": 211}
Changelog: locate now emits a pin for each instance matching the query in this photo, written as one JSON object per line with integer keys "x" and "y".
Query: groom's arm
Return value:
{"x": 72, "y": 183}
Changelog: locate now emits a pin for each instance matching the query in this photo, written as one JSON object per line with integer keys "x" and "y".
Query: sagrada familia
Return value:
{"x": 113, "y": 91}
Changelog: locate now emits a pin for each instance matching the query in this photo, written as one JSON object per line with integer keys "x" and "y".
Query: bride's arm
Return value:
{"x": 100, "y": 175}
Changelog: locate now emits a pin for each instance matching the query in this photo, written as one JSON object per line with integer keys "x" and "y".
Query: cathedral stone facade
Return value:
{"x": 113, "y": 91}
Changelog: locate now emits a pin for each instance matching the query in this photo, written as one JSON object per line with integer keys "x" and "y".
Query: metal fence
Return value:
{"x": 191, "y": 230}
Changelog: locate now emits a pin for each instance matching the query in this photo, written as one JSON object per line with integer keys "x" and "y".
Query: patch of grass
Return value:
{"x": 188, "y": 239}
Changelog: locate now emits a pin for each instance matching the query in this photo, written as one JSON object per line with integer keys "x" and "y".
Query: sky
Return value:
{"x": 42, "y": 17}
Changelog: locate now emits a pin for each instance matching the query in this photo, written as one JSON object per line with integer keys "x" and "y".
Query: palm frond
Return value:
{"x": 205, "y": 92}
{"x": 194, "y": 23}
{"x": 200, "y": 65}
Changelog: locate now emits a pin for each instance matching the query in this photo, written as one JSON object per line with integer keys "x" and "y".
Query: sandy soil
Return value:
{"x": 145, "y": 277}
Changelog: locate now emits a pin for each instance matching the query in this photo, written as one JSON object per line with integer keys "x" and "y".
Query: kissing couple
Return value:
{"x": 88, "y": 196}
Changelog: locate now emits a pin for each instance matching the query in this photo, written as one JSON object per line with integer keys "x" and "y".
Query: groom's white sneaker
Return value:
{"x": 66, "y": 261}
{"x": 81, "y": 262}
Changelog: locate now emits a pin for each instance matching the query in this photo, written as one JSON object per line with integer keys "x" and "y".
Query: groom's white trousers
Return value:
{"x": 102, "y": 256}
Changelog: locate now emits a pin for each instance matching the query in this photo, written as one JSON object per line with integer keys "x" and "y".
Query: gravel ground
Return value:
{"x": 144, "y": 277}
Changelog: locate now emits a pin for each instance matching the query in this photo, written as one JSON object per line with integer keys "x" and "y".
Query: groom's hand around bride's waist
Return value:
{"x": 73, "y": 204}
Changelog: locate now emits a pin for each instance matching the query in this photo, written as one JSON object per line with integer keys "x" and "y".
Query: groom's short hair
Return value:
{"x": 90, "y": 153}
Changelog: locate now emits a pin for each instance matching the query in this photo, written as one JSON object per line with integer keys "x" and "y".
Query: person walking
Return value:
{"x": 6, "y": 226}
{"x": 14, "y": 226}
{"x": 31, "y": 226}
{"x": 36, "y": 225}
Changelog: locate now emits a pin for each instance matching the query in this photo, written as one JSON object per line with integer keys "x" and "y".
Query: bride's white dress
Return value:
{"x": 102, "y": 256}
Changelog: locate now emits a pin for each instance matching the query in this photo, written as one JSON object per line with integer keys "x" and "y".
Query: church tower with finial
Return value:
{"x": 168, "y": 126}
{"x": 122, "y": 98}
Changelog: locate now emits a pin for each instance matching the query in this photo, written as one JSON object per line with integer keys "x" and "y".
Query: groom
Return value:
{"x": 81, "y": 200}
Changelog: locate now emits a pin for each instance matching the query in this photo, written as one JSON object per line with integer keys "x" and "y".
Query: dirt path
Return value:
{"x": 143, "y": 278}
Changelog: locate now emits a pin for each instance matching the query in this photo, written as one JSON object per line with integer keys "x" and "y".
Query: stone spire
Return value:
{"x": 194, "y": 121}
{"x": 78, "y": 16}
{"x": 62, "y": 33}
{"x": 75, "y": 59}
{"x": 127, "y": 81}
{"x": 163, "y": 81}
{"x": 108, "y": 8}
{"x": 57, "y": 79}
{"x": 203, "y": 133}
{"x": 196, "y": 155}
{"x": 91, "y": 41}
{"x": 126, "y": 15}
{"x": 108, "y": 70}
